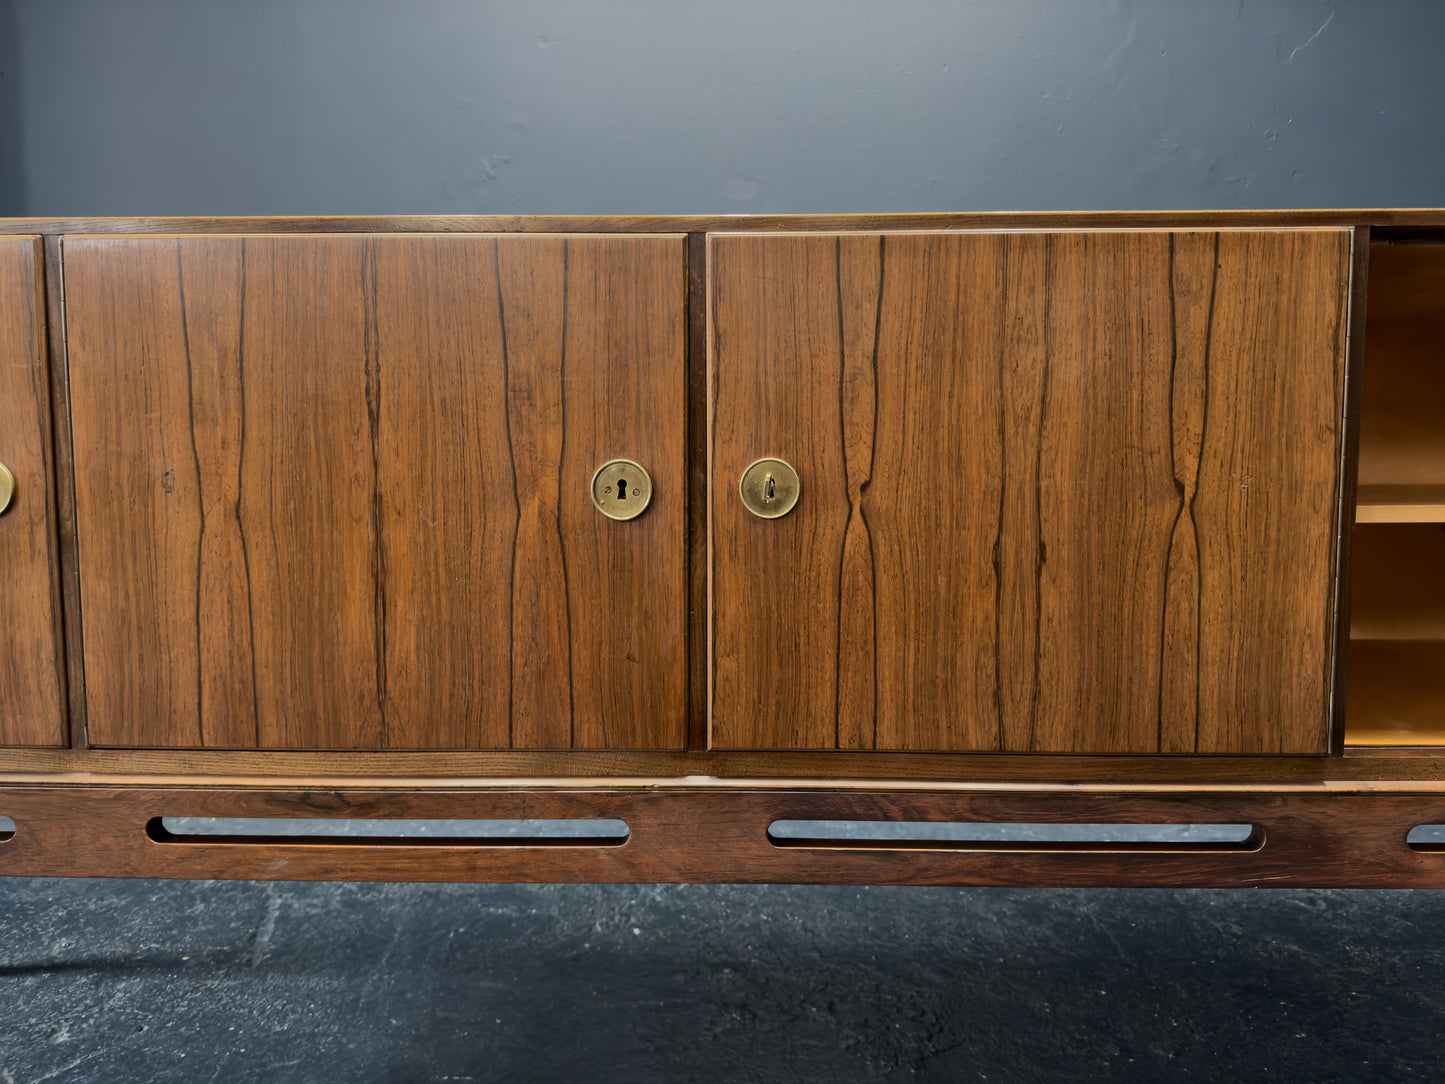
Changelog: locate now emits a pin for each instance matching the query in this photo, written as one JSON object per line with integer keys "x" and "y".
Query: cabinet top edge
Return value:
{"x": 1408, "y": 218}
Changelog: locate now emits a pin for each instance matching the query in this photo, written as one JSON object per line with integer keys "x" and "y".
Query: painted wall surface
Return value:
{"x": 356, "y": 106}
{"x": 12, "y": 182}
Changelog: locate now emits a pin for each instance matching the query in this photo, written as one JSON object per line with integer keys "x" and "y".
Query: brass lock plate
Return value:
{"x": 621, "y": 489}
{"x": 770, "y": 488}
{"x": 7, "y": 487}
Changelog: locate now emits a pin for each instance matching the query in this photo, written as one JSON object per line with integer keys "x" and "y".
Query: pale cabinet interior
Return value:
{"x": 1396, "y": 684}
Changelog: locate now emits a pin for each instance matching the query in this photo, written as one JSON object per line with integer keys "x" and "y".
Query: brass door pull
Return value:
{"x": 770, "y": 488}
{"x": 7, "y": 487}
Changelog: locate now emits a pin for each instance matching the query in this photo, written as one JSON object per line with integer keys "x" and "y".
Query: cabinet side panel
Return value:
{"x": 31, "y": 711}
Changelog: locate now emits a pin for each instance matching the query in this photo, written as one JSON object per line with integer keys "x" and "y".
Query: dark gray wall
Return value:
{"x": 12, "y": 177}
{"x": 310, "y": 106}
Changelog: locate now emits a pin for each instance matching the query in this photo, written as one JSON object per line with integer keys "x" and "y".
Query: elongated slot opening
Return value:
{"x": 7, "y": 828}
{"x": 369, "y": 832}
{"x": 1429, "y": 838}
{"x": 1014, "y": 836}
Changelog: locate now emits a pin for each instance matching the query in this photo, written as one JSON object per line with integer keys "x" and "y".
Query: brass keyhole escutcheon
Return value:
{"x": 770, "y": 488}
{"x": 7, "y": 487}
{"x": 621, "y": 489}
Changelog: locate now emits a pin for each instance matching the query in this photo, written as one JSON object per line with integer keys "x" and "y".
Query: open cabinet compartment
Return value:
{"x": 1396, "y": 684}
{"x": 1402, "y": 411}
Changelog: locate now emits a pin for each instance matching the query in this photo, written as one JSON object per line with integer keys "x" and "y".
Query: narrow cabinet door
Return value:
{"x": 335, "y": 492}
{"x": 31, "y": 711}
{"x": 1060, "y": 492}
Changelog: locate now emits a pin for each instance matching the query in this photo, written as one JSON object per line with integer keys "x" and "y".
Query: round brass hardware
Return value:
{"x": 7, "y": 487}
{"x": 770, "y": 488}
{"x": 621, "y": 489}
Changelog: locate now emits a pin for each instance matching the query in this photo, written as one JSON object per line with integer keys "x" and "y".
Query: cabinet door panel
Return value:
{"x": 1062, "y": 492}
{"x": 333, "y": 492}
{"x": 31, "y": 711}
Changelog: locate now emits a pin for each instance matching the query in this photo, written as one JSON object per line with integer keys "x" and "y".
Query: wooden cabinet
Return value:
{"x": 305, "y": 530}
{"x": 1061, "y": 491}
{"x": 31, "y": 708}
{"x": 334, "y": 492}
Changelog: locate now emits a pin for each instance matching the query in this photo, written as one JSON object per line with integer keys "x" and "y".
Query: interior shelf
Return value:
{"x": 1396, "y": 694}
{"x": 1401, "y": 504}
{"x": 1402, "y": 414}
{"x": 1396, "y": 689}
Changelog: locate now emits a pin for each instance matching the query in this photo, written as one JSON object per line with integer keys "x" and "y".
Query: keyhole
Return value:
{"x": 622, "y": 489}
{"x": 770, "y": 488}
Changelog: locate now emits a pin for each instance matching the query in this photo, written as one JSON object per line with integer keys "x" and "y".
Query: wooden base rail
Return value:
{"x": 1298, "y": 838}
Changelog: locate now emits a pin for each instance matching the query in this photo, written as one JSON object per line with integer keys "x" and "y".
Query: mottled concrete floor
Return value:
{"x": 175, "y": 981}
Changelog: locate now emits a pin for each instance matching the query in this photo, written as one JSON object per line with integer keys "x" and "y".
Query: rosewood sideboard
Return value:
{"x": 1047, "y": 549}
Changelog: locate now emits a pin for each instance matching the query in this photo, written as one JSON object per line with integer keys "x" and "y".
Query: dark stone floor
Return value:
{"x": 238, "y": 981}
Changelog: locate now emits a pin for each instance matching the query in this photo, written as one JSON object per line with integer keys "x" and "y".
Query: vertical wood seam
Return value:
{"x": 62, "y": 446}
{"x": 1203, "y": 443}
{"x": 561, "y": 545}
{"x": 1337, "y": 382}
{"x": 240, "y": 486}
{"x": 1178, "y": 488}
{"x": 1041, "y": 552}
{"x": 1353, "y": 297}
{"x": 872, "y": 456}
{"x": 712, "y": 285}
{"x": 371, "y": 371}
{"x": 847, "y": 490}
{"x": 1000, "y": 368}
{"x": 200, "y": 494}
{"x": 41, "y": 354}
{"x": 694, "y": 457}
{"x": 516, "y": 499}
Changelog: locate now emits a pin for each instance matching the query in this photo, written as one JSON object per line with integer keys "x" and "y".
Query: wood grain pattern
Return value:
{"x": 333, "y": 492}
{"x": 1308, "y": 838}
{"x": 31, "y": 663}
{"x": 1080, "y": 501}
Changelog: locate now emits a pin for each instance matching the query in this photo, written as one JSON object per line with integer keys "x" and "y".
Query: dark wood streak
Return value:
{"x": 848, "y": 492}
{"x": 371, "y": 371}
{"x": 1004, "y": 462}
{"x": 1041, "y": 551}
{"x": 516, "y": 495}
{"x": 1181, "y": 631}
{"x": 532, "y": 281}
{"x": 240, "y": 483}
{"x": 200, "y": 494}
{"x": 561, "y": 547}
{"x": 695, "y": 450}
{"x": 857, "y": 660}
{"x": 69, "y": 634}
{"x": 1203, "y": 433}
